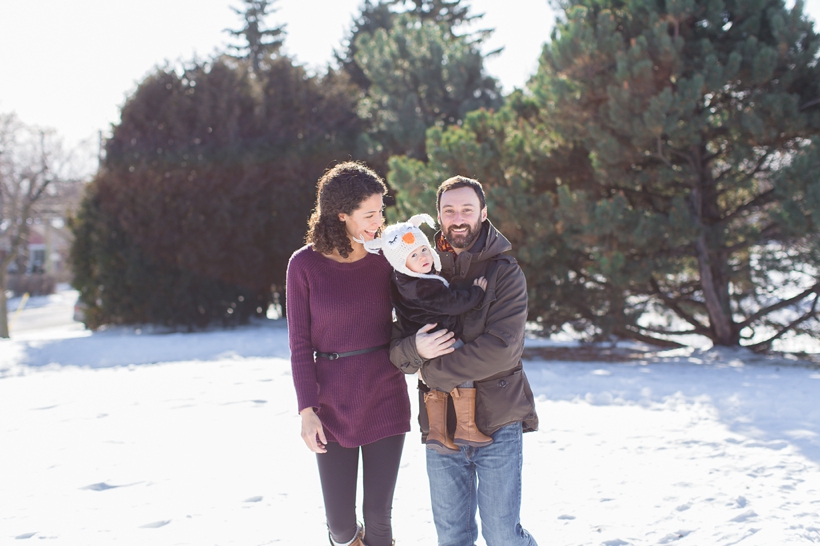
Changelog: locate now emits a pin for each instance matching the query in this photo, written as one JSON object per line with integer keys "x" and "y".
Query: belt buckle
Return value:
{"x": 333, "y": 356}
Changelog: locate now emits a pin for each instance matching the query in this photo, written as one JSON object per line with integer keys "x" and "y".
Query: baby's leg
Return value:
{"x": 467, "y": 433}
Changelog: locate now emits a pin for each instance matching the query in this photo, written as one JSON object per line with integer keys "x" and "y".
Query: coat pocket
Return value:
{"x": 501, "y": 401}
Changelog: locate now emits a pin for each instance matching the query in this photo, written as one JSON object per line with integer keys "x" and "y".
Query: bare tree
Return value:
{"x": 31, "y": 162}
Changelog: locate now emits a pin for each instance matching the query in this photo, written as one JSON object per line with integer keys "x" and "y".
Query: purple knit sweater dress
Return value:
{"x": 336, "y": 307}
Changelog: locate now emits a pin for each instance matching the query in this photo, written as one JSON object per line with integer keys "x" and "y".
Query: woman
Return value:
{"x": 351, "y": 398}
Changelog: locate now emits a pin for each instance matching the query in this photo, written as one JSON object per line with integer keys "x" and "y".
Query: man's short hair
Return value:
{"x": 457, "y": 182}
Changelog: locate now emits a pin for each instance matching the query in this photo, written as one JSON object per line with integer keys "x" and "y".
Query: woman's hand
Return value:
{"x": 433, "y": 345}
{"x": 312, "y": 432}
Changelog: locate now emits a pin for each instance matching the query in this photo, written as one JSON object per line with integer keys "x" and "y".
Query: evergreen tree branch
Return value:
{"x": 750, "y": 174}
{"x": 722, "y": 135}
{"x": 673, "y": 305}
{"x": 634, "y": 196}
{"x": 780, "y": 305}
{"x": 685, "y": 157}
{"x": 746, "y": 176}
{"x": 669, "y": 332}
{"x": 810, "y": 104}
{"x": 764, "y": 345}
{"x": 660, "y": 155}
{"x": 628, "y": 333}
{"x": 762, "y": 199}
{"x": 769, "y": 233}
{"x": 724, "y": 174}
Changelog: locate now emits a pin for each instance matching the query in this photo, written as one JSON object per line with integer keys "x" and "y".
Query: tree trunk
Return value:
{"x": 710, "y": 255}
{"x": 719, "y": 318}
{"x": 4, "y": 315}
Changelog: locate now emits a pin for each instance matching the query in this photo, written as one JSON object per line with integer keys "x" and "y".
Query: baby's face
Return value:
{"x": 420, "y": 260}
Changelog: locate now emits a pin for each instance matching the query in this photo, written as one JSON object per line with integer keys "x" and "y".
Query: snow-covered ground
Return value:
{"x": 134, "y": 438}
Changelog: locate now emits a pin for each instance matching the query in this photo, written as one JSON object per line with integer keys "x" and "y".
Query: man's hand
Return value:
{"x": 482, "y": 282}
{"x": 433, "y": 345}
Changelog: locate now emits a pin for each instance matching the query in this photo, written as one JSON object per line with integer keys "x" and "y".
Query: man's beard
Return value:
{"x": 463, "y": 240}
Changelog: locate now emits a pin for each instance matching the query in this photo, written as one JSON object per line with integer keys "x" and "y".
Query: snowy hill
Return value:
{"x": 143, "y": 438}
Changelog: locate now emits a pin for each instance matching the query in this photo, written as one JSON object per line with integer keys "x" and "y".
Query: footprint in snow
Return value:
{"x": 745, "y": 516}
{"x": 102, "y": 486}
{"x": 24, "y": 536}
{"x": 741, "y": 502}
{"x": 156, "y": 524}
{"x": 567, "y": 517}
{"x": 254, "y": 499}
{"x": 673, "y": 537}
{"x": 616, "y": 542}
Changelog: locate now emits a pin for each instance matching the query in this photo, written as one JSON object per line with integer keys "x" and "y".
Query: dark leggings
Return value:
{"x": 338, "y": 472}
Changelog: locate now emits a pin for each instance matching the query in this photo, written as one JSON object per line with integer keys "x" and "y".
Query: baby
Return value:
{"x": 420, "y": 297}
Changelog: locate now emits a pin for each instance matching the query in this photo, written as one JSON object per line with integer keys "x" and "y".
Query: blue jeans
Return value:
{"x": 484, "y": 478}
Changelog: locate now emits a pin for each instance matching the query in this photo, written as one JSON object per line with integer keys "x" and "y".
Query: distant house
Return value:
{"x": 49, "y": 240}
{"x": 48, "y": 246}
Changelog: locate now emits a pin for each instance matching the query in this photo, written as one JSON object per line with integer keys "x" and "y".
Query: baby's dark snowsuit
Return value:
{"x": 426, "y": 300}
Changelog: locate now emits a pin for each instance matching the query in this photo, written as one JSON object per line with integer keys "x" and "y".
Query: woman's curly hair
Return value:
{"x": 340, "y": 190}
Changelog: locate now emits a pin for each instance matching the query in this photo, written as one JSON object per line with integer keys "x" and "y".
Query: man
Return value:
{"x": 484, "y": 478}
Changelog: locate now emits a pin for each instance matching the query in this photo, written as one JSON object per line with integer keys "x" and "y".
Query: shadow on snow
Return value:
{"x": 127, "y": 347}
{"x": 772, "y": 405}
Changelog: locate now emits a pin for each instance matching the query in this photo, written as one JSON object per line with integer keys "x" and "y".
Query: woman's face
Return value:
{"x": 364, "y": 222}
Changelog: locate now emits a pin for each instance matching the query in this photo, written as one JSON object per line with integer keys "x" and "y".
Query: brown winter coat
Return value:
{"x": 493, "y": 334}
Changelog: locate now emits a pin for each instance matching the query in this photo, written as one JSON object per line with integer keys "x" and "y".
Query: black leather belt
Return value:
{"x": 334, "y": 356}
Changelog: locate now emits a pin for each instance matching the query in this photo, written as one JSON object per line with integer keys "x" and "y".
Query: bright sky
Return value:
{"x": 70, "y": 65}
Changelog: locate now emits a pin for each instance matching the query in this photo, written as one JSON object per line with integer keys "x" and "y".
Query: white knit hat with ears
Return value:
{"x": 399, "y": 240}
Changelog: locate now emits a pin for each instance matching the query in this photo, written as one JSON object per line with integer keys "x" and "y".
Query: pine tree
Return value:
{"x": 509, "y": 153}
{"x": 262, "y": 42}
{"x": 450, "y": 12}
{"x": 660, "y": 164}
{"x": 371, "y": 18}
{"x": 686, "y": 114}
{"x": 421, "y": 77}
{"x": 382, "y": 15}
{"x": 205, "y": 191}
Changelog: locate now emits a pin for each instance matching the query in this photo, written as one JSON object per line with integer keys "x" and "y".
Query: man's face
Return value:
{"x": 460, "y": 216}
